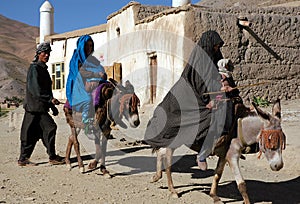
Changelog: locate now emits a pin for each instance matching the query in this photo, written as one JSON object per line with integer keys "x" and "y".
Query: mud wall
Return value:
{"x": 266, "y": 52}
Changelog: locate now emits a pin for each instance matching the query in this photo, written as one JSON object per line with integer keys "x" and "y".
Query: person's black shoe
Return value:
{"x": 56, "y": 160}
{"x": 26, "y": 162}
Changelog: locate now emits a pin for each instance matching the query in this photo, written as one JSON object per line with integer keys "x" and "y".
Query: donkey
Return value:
{"x": 262, "y": 128}
{"x": 115, "y": 102}
{"x": 74, "y": 120}
{"x": 123, "y": 104}
{"x": 255, "y": 127}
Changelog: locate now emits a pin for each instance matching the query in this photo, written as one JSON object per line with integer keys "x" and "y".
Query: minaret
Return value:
{"x": 46, "y": 20}
{"x": 176, "y": 3}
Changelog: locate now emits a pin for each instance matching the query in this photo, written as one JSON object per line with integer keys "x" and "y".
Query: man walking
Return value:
{"x": 37, "y": 123}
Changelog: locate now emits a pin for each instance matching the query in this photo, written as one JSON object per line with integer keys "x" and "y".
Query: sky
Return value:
{"x": 69, "y": 15}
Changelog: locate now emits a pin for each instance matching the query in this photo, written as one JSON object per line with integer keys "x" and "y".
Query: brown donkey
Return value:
{"x": 123, "y": 105}
{"x": 74, "y": 120}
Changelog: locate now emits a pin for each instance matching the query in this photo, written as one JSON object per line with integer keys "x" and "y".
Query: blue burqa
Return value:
{"x": 75, "y": 88}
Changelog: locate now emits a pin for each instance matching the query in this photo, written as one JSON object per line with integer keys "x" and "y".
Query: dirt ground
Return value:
{"x": 132, "y": 167}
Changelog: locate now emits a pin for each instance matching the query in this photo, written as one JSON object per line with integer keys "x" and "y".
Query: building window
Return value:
{"x": 58, "y": 76}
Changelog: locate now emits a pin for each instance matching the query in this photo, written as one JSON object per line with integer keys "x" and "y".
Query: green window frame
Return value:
{"x": 58, "y": 75}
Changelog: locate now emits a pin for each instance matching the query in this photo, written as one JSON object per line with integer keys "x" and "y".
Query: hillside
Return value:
{"x": 17, "y": 47}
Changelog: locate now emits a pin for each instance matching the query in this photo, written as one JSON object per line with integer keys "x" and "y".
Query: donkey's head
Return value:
{"x": 272, "y": 139}
{"x": 124, "y": 104}
{"x": 129, "y": 104}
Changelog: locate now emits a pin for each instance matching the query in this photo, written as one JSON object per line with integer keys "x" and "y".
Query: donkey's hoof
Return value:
{"x": 93, "y": 164}
{"x": 216, "y": 199}
{"x": 155, "y": 178}
{"x": 105, "y": 173}
{"x": 81, "y": 169}
{"x": 174, "y": 195}
{"x": 69, "y": 167}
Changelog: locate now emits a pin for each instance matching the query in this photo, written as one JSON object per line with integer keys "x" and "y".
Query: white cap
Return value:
{"x": 222, "y": 63}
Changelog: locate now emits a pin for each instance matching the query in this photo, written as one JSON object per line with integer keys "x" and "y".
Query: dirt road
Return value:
{"x": 132, "y": 167}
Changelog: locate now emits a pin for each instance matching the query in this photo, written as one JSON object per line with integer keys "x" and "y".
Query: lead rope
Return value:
{"x": 107, "y": 110}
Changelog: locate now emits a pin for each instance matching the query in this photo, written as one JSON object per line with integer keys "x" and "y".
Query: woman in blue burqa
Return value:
{"x": 84, "y": 68}
{"x": 186, "y": 115}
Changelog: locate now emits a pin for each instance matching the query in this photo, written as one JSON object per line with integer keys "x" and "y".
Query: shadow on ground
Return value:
{"x": 283, "y": 192}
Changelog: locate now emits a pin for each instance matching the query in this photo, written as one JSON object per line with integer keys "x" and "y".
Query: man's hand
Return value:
{"x": 227, "y": 88}
{"x": 55, "y": 101}
{"x": 210, "y": 105}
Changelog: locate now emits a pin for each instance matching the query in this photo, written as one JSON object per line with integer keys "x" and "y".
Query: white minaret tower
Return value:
{"x": 176, "y": 3}
{"x": 46, "y": 20}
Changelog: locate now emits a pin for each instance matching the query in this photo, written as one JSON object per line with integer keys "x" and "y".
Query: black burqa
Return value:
{"x": 182, "y": 117}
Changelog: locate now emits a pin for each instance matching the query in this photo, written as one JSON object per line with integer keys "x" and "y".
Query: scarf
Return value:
{"x": 207, "y": 42}
{"x": 43, "y": 47}
{"x": 78, "y": 57}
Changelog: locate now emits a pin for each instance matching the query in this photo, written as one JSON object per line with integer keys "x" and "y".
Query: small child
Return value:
{"x": 226, "y": 67}
{"x": 91, "y": 82}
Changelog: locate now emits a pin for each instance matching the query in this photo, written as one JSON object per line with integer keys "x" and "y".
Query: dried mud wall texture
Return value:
{"x": 273, "y": 29}
{"x": 146, "y": 11}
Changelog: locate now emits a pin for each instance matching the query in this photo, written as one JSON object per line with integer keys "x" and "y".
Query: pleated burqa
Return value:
{"x": 182, "y": 117}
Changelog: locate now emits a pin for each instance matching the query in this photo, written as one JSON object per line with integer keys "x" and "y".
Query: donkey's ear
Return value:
{"x": 117, "y": 85}
{"x": 114, "y": 82}
{"x": 276, "y": 110}
{"x": 260, "y": 112}
{"x": 121, "y": 88}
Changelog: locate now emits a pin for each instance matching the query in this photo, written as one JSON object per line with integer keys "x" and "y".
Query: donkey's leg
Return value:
{"x": 70, "y": 121}
{"x": 68, "y": 152}
{"x": 103, "y": 169}
{"x": 159, "y": 157}
{"x": 233, "y": 156}
{"x": 168, "y": 166}
{"x": 218, "y": 174}
{"x": 98, "y": 153}
{"x": 77, "y": 149}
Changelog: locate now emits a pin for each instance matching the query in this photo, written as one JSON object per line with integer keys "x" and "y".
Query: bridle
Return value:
{"x": 130, "y": 102}
{"x": 271, "y": 140}
{"x": 268, "y": 139}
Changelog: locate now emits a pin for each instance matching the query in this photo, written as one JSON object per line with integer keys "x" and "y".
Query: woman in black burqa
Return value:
{"x": 185, "y": 115}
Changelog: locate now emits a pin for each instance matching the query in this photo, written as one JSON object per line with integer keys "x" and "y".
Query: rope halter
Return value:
{"x": 272, "y": 140}
{"x": 128, "y": 101}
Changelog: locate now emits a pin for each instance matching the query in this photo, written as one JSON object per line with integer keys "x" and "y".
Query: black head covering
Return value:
{"x": 207, "y": 42}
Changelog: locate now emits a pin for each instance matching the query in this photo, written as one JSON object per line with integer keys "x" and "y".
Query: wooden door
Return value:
{"x": 114, "y": 71}
{"x": 153, "y": 78}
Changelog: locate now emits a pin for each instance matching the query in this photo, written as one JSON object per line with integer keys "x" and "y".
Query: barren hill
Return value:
{"x": 17, "y": 47}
